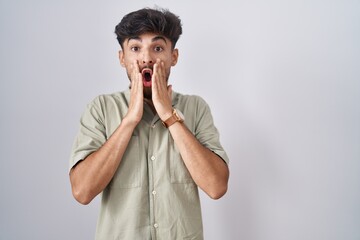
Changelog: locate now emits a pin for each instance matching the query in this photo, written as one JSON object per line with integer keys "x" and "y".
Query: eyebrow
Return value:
{"x": 154, "y": 39}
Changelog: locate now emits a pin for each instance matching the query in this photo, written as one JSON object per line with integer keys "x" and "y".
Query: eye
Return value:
{"x": 135, "y": 49}
{"x": 158, "y": 49}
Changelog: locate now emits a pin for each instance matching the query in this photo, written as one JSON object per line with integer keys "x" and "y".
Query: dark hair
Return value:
{"x": 147, "y": 20}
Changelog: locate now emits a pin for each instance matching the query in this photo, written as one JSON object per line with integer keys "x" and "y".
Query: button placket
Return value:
{"x": 151, "y": 164}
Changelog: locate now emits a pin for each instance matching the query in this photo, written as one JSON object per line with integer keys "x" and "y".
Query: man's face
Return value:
{"x": 146, "y": 49}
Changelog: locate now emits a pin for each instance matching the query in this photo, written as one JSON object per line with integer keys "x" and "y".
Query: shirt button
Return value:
{"x": 153, "y": 126}
{"x": 154, "y": 192}
{"x": 156, "y": 225}
{"x": 152, "y": 158}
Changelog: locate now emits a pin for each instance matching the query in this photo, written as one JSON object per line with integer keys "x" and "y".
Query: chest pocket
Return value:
{"x": 128, "y": 174}
{"x": 178, "y": 171}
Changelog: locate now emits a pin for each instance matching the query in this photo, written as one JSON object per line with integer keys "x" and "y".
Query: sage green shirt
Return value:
{"x": 152, "y": 195}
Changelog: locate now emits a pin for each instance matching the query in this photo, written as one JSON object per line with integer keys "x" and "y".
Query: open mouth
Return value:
{"x": 146, "y": 74}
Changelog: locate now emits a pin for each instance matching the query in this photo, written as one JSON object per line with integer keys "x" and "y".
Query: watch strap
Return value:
{"x": 172, "y": 119}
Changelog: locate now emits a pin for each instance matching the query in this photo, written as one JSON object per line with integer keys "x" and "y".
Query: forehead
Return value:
{"x": 148, "y": 38}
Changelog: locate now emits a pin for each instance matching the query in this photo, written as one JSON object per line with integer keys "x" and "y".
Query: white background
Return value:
{"x": 283, "y": 82}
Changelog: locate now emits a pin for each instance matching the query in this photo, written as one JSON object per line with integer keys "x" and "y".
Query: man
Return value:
{"x": 147, "y": 149}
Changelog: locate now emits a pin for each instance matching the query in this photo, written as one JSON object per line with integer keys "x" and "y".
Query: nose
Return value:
{"x": 146, "y": 58}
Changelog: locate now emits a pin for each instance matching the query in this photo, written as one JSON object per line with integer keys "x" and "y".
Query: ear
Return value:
{"x": 174, "y": 56}
{"x": 121, "y": 58}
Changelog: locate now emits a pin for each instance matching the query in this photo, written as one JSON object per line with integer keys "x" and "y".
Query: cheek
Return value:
{"x": 167, "y": 63}
{"x": 128, "y": 59}
{"x": 123, "y": 62}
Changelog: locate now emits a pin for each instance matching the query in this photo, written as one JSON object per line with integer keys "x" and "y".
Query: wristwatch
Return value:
{"x": 176, "y": 116}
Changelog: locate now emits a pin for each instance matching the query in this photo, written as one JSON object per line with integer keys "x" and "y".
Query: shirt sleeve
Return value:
{"x": 91, "y": 135}
{"x": 206, "y": 132}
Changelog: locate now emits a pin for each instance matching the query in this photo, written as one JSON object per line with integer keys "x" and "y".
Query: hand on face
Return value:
{"x": 161, "y": 91}
{"x": 138, "y": 57}
{"x": 135, "y": 111}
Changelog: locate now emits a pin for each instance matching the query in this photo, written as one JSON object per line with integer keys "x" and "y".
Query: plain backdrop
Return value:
{"x": 283, "y": 82}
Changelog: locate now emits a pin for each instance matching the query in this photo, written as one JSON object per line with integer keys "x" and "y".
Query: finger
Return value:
{"x": 156, "y": 77}
{"x": 161, "y": 72}
{"x": 136, "y": 83}
{"x": 135, "y": 69}
{"x": 160, "y": 78}
{"x": 169, "y": 91}
{"x": 136, "y": 78}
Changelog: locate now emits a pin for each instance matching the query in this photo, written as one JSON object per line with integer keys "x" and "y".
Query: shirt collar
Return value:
{"x": 174, "y": 98}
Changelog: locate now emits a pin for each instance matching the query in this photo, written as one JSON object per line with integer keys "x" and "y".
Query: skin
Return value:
{"x": 90, "y": 176}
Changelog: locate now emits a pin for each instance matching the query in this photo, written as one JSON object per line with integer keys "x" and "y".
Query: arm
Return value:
{"x": 90, "y": 177}
{"x": 207, "y": 169}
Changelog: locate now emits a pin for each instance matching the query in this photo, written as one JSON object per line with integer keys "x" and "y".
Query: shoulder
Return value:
{"x": 109, "y": 99}
{"x": 194, "y": 100}
{"x": 106, "y": 105}
{"x": 116, "y": 96}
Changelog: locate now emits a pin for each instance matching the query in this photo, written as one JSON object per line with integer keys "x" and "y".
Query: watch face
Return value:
{"x": 179, "y": 115}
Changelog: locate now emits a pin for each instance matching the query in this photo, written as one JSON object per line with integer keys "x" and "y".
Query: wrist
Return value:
{"x": 130, "y": 122}
{"x": 166, "y": 115}
{"x": 176, "y": 116}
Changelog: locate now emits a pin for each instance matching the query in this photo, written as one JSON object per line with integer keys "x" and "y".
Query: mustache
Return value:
{"x": 146, "y": 67}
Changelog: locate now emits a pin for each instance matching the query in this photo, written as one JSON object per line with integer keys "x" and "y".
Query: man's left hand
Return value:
{"x": 161, "y": 91}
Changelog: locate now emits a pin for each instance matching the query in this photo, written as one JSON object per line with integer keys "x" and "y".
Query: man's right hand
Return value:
{"x": 90, "y": 176}
{"x": 135, "y": 111}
